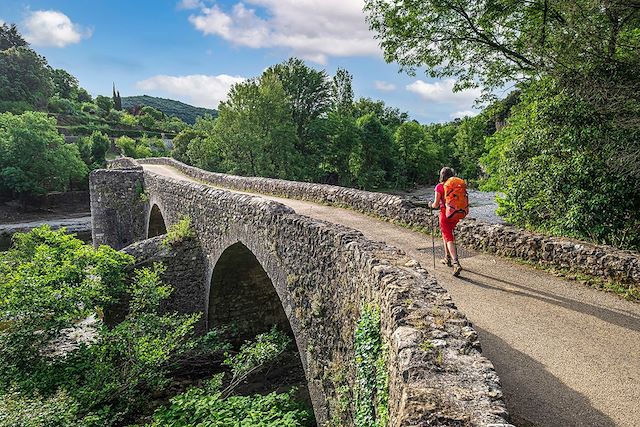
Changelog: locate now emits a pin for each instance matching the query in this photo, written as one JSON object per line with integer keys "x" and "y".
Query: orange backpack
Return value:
{"x": 456, "y": 199}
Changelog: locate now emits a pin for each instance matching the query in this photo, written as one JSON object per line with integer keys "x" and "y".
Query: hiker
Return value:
{"x": 452, "y": 200}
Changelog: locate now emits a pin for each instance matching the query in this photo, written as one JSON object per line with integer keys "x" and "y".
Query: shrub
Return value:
{"x": 128, "y": 119}
{"x": 178, "y": 232}
{"x": 114, "y": 116}
{"x": 60, "y": 105}
{"x": 155, "y": 145}
{"x": 89, "y": 108}
{"x": 554, "y": 164}
{"x": 206, "y": 407}
{"x": 127, "y": 146}
{"x": 34, "y": 158}
{"x": 18, "y": 410}
{"x": 15, "y": 107}
{"x": 50, "y": 281}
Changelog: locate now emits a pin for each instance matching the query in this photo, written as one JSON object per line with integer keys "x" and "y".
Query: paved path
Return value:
{"x": 567, "y": 355}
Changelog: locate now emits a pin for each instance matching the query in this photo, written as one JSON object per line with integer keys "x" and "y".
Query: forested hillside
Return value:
{"x": 185, "y": 112}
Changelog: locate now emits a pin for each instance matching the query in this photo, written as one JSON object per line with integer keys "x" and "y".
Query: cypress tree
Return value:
{"x": 117, "y": 102}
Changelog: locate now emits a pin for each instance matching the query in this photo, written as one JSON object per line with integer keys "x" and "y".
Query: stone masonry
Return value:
{"x": 321, "y": 273}
{"x": 601, "y": 261}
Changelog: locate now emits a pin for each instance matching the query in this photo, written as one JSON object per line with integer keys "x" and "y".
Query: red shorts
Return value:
{"x": 447, "y": 226}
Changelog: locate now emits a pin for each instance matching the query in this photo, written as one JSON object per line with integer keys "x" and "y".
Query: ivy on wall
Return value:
{"x": 372, "y": 380}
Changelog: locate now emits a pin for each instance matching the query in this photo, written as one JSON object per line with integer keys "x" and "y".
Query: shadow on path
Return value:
{"x": 629, "y": 321}
{"x": 534, "y": 396}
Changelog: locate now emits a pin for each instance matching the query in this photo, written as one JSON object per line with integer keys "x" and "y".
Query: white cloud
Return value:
{"x": 312, "y": 29}
{"x": 190, "y": 4}
{"x": 441, "y": 92}
{"x": 197, "y": 89}
{"x": 53, "y": 28}
{"x": 461, "y": 114}
{"x": 384, "y": 86}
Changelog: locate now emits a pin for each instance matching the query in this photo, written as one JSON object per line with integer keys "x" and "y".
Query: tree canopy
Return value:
{"x": 34, "y": 158}
{"x": 491, "y": 43}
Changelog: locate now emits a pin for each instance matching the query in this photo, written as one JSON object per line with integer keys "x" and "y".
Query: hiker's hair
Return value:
{"x": 446, "y": 173}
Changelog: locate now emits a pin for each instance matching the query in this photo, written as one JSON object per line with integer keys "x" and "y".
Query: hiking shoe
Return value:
{"x": 456, "y": 269}
{"x": 446, "y": 261}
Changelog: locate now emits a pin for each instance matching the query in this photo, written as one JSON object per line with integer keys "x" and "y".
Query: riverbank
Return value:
{"x": 483, "y": 204}
{"x": 14, "y": 218}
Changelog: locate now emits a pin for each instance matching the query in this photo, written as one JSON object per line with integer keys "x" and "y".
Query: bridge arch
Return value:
{"x": 241, "y": 292}
{"x": 156, "y": 223}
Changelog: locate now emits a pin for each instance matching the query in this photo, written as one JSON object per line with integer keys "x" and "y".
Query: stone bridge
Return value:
{"x": 258, "y": 261}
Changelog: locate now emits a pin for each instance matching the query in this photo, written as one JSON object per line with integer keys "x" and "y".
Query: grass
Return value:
{"x": 626, "y": 291}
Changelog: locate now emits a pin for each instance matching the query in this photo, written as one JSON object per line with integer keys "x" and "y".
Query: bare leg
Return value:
{"x": 446, "y": 248}
{"x": 454, "y": 253}
{"x": 451, "y": 248}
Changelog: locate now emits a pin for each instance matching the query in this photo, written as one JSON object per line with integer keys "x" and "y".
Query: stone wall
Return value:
{"x": 118, "y": 208}
{"x": 185, "y": 270}
{"x": 602, "y": 261}
{"x": 322, "y": 273}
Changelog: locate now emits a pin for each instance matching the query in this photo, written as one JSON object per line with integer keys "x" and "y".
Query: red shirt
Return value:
{"x": 440, "y": 190}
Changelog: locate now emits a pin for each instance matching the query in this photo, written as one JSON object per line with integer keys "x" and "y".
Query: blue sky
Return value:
{"x": 193, "y": 50}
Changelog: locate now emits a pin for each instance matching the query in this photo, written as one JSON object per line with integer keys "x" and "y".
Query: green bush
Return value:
{"x": 15, "y": 107}
{"x": 128, "y": 119}
{"x": 18, "y": 410}
{"x": 50, "y": 281}
{"x": 34, "y": 158}
{"x": 200, "y": 407}
{"x": 104, "y": 103}
{"x": 61, "y": 105}
{"x": 178, "y": 232}
{"x": 553, "y": 162}
{"x": 89, "y": 108}
{"x": 127, "y": 146}
{"x": 100, "y": 144}
{"x": 155, "y": 145}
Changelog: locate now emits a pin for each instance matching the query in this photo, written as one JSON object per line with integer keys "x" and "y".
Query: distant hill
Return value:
{"x": 170, "y": 107}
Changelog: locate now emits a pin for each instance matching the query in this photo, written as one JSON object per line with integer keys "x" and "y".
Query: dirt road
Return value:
{"x": 567, "y": 355}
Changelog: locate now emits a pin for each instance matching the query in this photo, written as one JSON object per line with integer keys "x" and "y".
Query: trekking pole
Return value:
{"x": 433, "y": 241}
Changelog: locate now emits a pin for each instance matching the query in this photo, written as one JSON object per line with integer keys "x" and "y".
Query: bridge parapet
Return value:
{"x": 322, "y": 274}
{"x": 601, "y": 261}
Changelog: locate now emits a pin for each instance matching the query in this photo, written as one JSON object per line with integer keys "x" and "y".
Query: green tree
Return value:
{"x": 493, "y": 43}
{"x": 83, "y": 95}
{"x": 554, "y": 173}
{"x": 388, "y": 116}
{"x": 469, "y": 145}
{"x": 64, "y": 84}
{"x": 342, "y": 91}
{"x": 419, "y": 156}
{"x": 117, "y": 101}
{"x": 127, "y": 146}
{"x": 371, "y": 161}
{"x": 34, "y": 158}
{"x": 254, "y": 130}
{"x": 50, "y": 281}
{"x": 309, "y": 93}
{"x": 10, "y": 37}
{"x": 181, "y": 143}
{"x": 100, "y": 144}
{"x": 104, "y": 103}
{"x": 342, "y": 136}
{"x": 24, "y": 76}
